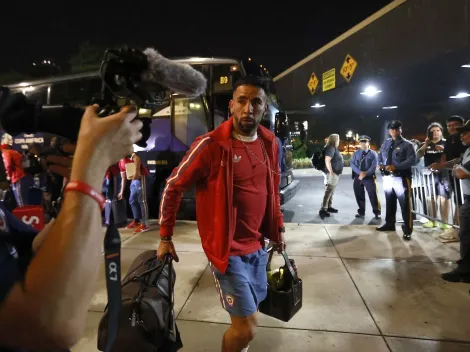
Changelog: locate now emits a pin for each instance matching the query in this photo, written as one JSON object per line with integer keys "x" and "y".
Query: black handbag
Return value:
{"x": 147, "y": 321}
{"x": 119, "y": 210}
{"x": 283, "y": 302}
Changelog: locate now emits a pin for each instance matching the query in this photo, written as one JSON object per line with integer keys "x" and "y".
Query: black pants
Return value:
{"x": 464, "y": 234}
{"x": 371, "y": 186}
{"x": 398, "y": 188}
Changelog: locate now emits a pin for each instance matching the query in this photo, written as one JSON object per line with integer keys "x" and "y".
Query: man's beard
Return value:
{"x": 247, "y": 128}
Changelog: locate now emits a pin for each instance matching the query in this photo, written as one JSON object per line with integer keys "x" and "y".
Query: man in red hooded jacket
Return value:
{"x": 236, "y": 172}
{"x": 13, "y": 161}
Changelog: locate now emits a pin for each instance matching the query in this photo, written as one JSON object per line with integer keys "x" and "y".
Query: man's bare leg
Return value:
{"x": 240, "y": 333}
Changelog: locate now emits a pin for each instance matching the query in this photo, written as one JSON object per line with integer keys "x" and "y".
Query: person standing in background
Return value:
{"x": 363, "y": 164}
{"x": 453, "y": 151}
{"x": 13, "y": 161}
{"x": 397, "y": 156}
{"x": 461, "y": 171}
{"x": 111, "y": 184}
{"x": 334, "y": 168}
{"x": 131, "y": 168}
{"x": 438, "y": 184}
{"x": 54, "y": 182}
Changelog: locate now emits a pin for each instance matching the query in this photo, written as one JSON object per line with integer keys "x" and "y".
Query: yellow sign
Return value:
{"x": 312, "y": 83}
{"x": 349, "y": 66}
{"x": 223, "y": 80}
{"x": 329, "y": 80}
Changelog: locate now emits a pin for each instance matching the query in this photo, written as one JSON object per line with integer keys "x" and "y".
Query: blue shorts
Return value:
{"x": 244, "y": 285}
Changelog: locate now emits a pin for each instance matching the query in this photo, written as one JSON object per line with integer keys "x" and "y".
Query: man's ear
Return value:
{"x": 230, "y": 106}
{"x": 266, "y": 108}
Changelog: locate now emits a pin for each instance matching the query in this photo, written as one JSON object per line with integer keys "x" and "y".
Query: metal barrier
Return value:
{"x": 436, "y": 195}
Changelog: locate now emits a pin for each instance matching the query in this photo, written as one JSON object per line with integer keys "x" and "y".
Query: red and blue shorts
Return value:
{"x": 244, "y": 285}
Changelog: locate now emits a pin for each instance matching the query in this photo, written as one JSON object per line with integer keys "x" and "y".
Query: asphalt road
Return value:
{"x": 304, "y": 207}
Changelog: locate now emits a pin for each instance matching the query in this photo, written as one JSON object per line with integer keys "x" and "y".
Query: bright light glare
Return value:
{"x": 27, "y": 89}
{"x": 460, "y": 95}
{"x": 317, "y": 105}
{"x": 371, "y": 91}
{"x": 466, "y": 66}
{"x": 390, "y": 107}
{"x": 349, "y": 134}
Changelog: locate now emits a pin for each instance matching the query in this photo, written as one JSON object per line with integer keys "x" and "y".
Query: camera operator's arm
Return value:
{"x": 49, "y": 309}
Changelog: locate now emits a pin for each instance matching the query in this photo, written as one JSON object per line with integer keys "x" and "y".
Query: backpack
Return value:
{"x": 318, "y": 159}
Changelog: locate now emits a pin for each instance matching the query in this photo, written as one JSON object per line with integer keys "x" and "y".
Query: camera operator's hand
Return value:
{"x": 103, "y": 142}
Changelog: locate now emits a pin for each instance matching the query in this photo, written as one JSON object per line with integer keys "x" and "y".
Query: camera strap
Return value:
{"x": 112, "y": 251}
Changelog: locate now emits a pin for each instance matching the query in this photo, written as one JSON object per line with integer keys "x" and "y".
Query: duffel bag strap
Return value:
{"x": 172, "y": 320}
{"x": 112, "y": 250}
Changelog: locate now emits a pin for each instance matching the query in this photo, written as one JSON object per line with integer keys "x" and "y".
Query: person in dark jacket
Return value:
{"x": 397, "y": 156}
{"x": 363, "y": 164}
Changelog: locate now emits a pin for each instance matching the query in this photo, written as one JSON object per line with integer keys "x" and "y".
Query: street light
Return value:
{"x": 349, "y": 136}
{"x": 371, "y": 91}
{"x": 460, "y": 95}
{"x": 317, "y": 106}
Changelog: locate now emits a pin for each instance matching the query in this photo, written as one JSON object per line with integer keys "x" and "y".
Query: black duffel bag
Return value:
{"x": 284, "y": 298}
{"x": 147, "y": 321}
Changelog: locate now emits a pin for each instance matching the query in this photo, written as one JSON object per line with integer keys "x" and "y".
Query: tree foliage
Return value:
{"x": 12, "y": 76}
{"x": 87, "y": 58}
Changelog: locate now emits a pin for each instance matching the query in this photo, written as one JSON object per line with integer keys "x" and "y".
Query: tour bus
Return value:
{"x": 176, "y": 121}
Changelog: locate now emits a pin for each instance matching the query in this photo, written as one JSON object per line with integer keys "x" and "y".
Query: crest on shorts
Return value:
{"x": 230, "y": 300}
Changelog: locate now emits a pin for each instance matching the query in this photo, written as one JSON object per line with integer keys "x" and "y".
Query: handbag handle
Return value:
{"x": 287, "y": 261}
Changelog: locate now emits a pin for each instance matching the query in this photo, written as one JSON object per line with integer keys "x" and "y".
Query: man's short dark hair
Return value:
{"x": 256, "y": 81}
{"x": 435, "y": 124}
{"x": 416, "y": 142}
{"x": 456, "y": 118}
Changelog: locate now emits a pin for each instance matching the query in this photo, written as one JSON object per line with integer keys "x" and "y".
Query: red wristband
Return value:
{"x": 85, "y": 188}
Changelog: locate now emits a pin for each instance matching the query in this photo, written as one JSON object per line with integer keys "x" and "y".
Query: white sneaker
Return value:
{"x": 449, "y": 235}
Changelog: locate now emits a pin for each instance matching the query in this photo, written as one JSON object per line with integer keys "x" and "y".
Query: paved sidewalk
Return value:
{"x": 364, "y": 291}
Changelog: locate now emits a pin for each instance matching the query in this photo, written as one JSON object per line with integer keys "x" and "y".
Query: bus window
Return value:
{"x": 221, "y": 108}
{"x": 189, "y": 119}
{"x": 37, "y": 93}
{"x": 76, "y": 93}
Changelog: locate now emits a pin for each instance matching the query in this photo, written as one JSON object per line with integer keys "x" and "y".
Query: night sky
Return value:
{"x": 275, "y": 36}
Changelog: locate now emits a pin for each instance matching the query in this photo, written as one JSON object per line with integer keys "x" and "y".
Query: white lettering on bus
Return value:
{"x": 29, "y": 140}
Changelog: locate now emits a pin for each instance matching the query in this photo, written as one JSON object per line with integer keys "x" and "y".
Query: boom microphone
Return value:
{"x": 181, "y": 78}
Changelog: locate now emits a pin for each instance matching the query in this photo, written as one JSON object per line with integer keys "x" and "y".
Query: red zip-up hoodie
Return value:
{"x": 13, "y": 160}
{"x": 209, "y": 165}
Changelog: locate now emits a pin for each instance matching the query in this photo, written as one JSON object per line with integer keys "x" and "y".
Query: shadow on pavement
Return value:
{"x": 288, "y": 215}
